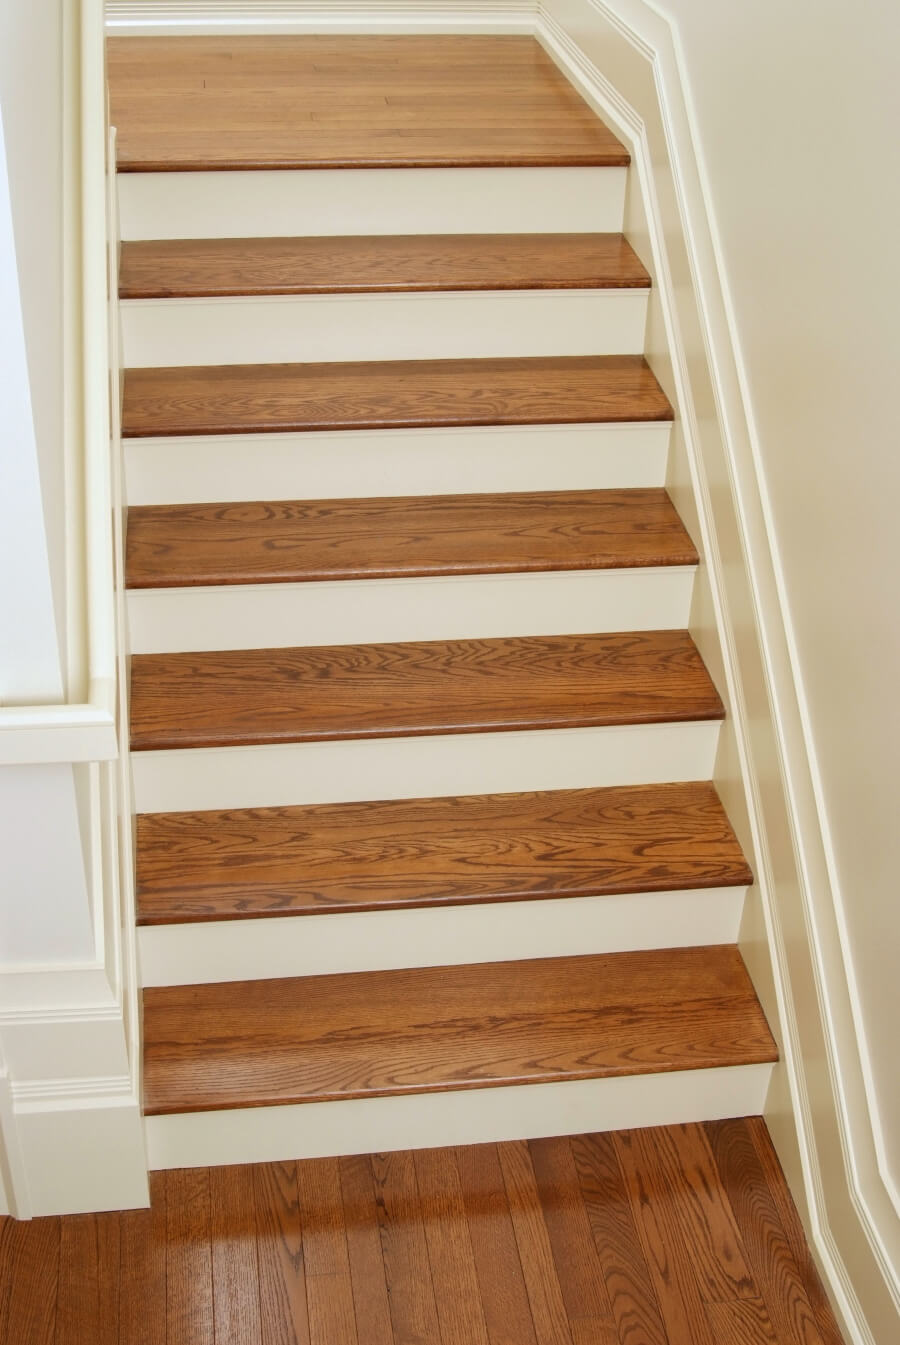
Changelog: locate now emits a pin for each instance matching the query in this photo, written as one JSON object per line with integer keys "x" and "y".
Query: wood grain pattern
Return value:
{"x": 189, "y": 1282}
{"x": 297, "y": 541}
{"x": 403, "y": 263}
{"x": 224, "y": 865}
{"x": 390, "y": 394}
{"x": 142, "y": 1287}
{"x": 306, "y": 1039}
{"x": 284, "y": 1319}
{"x": 329, "y": 1292}
{"x": 235, "y": 1264}
{"x": 240, "y": 697}
{"x": 347, "y": 102}
{"x": 435, "y": 1214}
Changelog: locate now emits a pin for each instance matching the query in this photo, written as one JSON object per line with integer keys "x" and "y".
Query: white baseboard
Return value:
{"x": 141, "y": 18}
{"x": 340, "y": 463}
{"x": 472, "y": 1116}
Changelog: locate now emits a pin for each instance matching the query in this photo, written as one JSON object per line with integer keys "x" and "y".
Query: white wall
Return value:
{"x": 796, "y": 109}
{"x": 31, "y": 103}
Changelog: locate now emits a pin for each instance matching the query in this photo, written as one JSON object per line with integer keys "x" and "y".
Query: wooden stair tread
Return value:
{"x": 241, "y": 697}
{"x": 319, "y": 1038}
{"x": 301, "y": 540}
{"x": 199, "y": 103}
{"x": 390, "y": 394}
{"x": 315, "y": 859}
{"x": 207, "y": 267}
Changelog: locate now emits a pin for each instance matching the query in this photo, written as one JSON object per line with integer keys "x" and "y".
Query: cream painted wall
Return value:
{"x": 796, "y": 109}
{"x": 31, "y": 102}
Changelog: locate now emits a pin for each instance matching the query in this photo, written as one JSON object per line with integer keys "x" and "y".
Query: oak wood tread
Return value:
{"x": 213, "y": 267}
{"x": 294, "y": 541}
{"x": 201, "y": 103}
{"x": 311, "y": 860}
{"x": 354, "y": 1035}
{"x": 241, "y": 697}
{"x": 390, "y": 394}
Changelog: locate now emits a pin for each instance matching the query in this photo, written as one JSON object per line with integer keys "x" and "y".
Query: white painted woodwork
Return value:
{"x": 364, "y": 611}
{"x": 311, "y": 945}
{"x": 338, "y": 464}
{"x": 289, "y": 329}
{"x": 288, "y": 203}
{"x": 469, "y": 1116}
{"x": 419, "y": 767}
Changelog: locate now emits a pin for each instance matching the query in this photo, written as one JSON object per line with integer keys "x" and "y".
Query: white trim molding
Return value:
{"x": 170, "y": 17}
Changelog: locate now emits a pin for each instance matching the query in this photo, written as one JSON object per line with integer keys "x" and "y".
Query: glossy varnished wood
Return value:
{"x": 241, "y": 697}
{"x": 539, "y": 1243}
{"x": 431, "y": 852}
{"x": 347, "y": 102}
{"x": 390, "y": 394}
{"x": 210, "y": 267}
{"x": 309, "y": 1039}
{"x": 401, "y": 537}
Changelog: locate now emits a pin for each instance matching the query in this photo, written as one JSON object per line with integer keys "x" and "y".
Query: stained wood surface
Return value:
{"x": 517, "y": 1244}
{"x": 347, "y": 102}
{"x": 390, "y": 394}
{"x": 240, "y": 697}
{"x": 210, "y": 267}
{"x": 318, "y": 1038}
{"x": 280, "y": 541}
{"x": 226, "y": 865}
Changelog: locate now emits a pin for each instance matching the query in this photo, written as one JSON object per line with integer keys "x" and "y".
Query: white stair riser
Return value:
{"x": 364, "y": 769}
{"x": 238, "y": 950}
{"x": 319, "y": 202}
{"x": 470, "y": 1116}
{"x": 349, "y": 463}
{"x": 289, "y": 329}
{"x": 270, "y": 616}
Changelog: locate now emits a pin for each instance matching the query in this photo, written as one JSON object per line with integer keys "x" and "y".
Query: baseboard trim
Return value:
{"x": 131, "y": 18}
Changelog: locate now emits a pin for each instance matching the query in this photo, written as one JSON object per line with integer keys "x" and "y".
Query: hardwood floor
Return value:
{"x": 390, "y": 394}
{"x": 683, "y": 1235}
{"x": 205, "y": 267}
{"x": 228, "y": 865}
{"x": 238, "y": 697}
{"x": 200, "y": 103}
{"x": 284, "y": 541}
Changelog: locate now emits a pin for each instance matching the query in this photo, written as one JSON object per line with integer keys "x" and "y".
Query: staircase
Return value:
{"x": 427, "y": 848}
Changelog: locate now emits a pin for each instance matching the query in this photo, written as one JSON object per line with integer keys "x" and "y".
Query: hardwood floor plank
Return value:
{"x": 88, "y": 1293}
{"x": 218, "y": 267}
{"x": 761, "y": 1208}
{"x": 298, "y": 541}
{"x": 242, "y": 697}
{"x": 741, "y": 1321}
{"x": 450, "y": 1254}
{"x": 406, "y": 1262}
{"x": 223, "y": 865}
{"x": 235, "y": 1269}
{"x": 685, "y": 1167}
{"x": 504, "y": 1298}
{"x": 279, "y": 1239}
{"x": 577, "y": 1266}
{"x": 189, "y": 1285}
{"x": 390, "y": 394}
{"x": 367, "y": 1275}
{"x": 259, "y": 1043}
{"x": 623, "y": 1265}
{"x": 142, "y": 1287}
{"x": 29, "y": 1260}
{"x": 668, "y": 1257}
{"x": 195, "y": 103}
{"x": 548, "y": 1308}
{"x": 329, "y": 1292}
